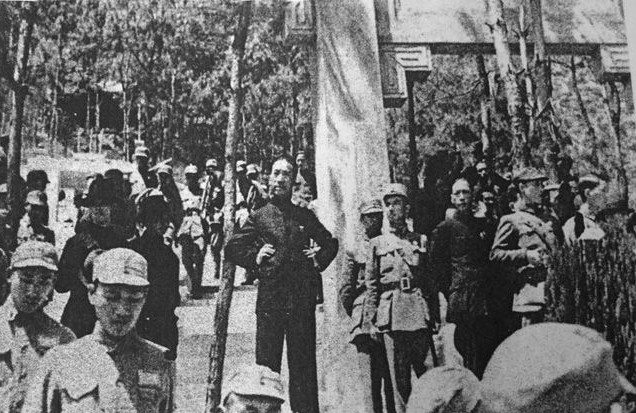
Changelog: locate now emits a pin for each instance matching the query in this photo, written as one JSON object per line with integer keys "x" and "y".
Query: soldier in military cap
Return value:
{"x": 33, "y": 223}
{"x": 141, "y": 177}
{"x": 401, "y": 301}
{"x": 253, "y": 389}
{"x": 193, "y": 234}
{"x": 26, "y": 331}
{"x": 112, "y": 369}
{"x": 522, "y": 246}
{"x": 37, "y": 180}
{"x": 374, "y": 368}
{"x": 213, "y": 200}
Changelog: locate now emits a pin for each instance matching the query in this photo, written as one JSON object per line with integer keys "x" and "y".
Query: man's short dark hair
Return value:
{"x": 289, "y": 160}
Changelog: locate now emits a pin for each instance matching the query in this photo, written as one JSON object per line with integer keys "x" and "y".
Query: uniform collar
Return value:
{"x": 114, "y": 348}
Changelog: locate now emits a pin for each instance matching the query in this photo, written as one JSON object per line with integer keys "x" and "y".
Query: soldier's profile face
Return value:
{"x": 280, "y": 180}
{"x": 251, "y": 404}
{"x": 397, "y": 208}
{"x": 118, "y": 306}
{"x": 30, "y": 288}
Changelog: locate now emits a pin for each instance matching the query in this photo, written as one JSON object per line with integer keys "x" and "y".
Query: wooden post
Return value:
{"x": 224, "y": 300}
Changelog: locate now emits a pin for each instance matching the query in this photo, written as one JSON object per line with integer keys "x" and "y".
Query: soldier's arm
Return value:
{"x": 347, "y": 291}
{"x": 242, "y": 248}
{"x": 505, "y": 248}
{"x": 327, "y": 243}
{"x": 439, "y": 265}
{"x": 372, "y": 281}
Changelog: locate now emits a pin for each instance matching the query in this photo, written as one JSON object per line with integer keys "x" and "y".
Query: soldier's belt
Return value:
{"x": 404, "y": 284}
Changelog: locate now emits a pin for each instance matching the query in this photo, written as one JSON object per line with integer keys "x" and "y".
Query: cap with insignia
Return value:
{"x": 164, "y": 169}
{"x": 35, "y": 254}
{"x": 191, "y": 169}
{"x": 121, "y": 266}
{"x": 395, "y": 190}
{"x": 211, "y": 163}
{"x": 141, "y": 152}
{"x": 255, "y": 380}
{"x": 529, "y": 174}
{"x": 252, "y": 169}
{"x": 552, "y": 367}
{"x": 371, "y": 207}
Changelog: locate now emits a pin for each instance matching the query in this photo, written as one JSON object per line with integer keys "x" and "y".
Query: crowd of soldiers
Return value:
{"x": 484, "y": 252}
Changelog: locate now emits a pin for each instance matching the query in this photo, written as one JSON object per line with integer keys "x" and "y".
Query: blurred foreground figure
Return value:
{"x": 373, "y": 365}
{"x": 552, "y": 367}
{"x": 445, "y": 390}
{"x": 26, "y": 332}
{"x": 112, "y": 369}
{"x": 277, "y": 239}
{"x": 254, "y": 389}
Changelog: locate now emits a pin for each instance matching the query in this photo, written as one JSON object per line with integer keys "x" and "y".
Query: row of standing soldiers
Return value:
{"x": 492, "y": 275}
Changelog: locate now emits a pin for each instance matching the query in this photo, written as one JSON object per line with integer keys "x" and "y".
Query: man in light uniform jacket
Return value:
{"x": 402, "y": 303}
{"x": 374, "y": 368}
{"x": 112, "y": 369}
{"x": 522, "y": 247}
{"x": 27, "y": 333}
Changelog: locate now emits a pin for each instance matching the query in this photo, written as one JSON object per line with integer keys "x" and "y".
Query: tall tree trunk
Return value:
{"x": 14, "y": 158}
{"x": 89, "y": 135}
{"x": 584, "y": 113}
{"x": 614, "y": 99}
{"x": 485, "y": 105}
{"x": 541, "y": 63}
{"x": 222, "y": 312}
{"x": 516, "y": 110}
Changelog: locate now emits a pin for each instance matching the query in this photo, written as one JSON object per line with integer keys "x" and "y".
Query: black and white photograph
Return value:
{"x": 317, "y": 206}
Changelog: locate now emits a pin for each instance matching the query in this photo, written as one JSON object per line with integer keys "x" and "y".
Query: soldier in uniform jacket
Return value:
{"x": 522, "y": 247}
{"x": 401, "y": 301}
{"x": 458, "y": 260}
{"x": 276, "y": 239}
{"x": 374, "y": 368}
{"x": 27, "y": 333}
{"x": 112, "y": 369}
